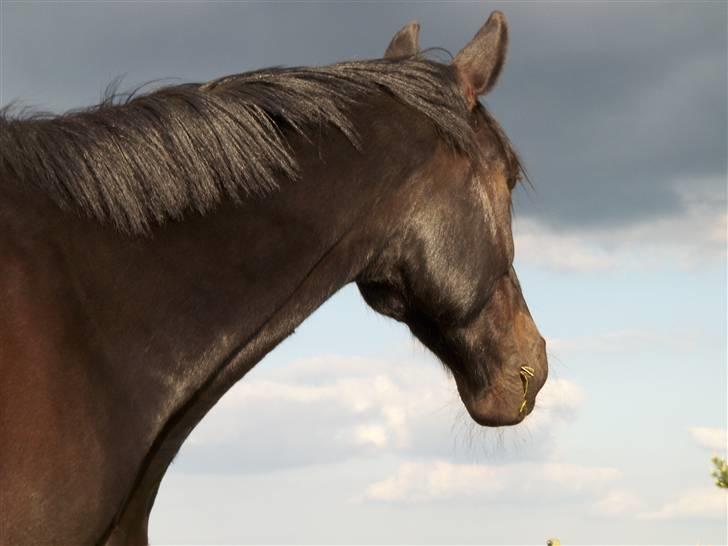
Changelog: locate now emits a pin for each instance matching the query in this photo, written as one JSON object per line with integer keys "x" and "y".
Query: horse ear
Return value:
{"x": 405, "y": 43}
{"x": 479, "y": 63}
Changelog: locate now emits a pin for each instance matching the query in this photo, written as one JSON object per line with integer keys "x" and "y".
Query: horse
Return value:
{"x": 155, "y": 247}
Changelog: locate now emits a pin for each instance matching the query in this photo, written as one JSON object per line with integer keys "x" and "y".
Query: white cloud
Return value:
{"x": 438, "y": 480}
{"x": 576, "y": 477}
{"x": 714, "y": 439}
{"x": 332, "y": 408}
{"x": 374, "y": 400}
{"x": 708, "y": 502}
{"x": 696, "y": 234}
{"x": 618, "y": 502}
{"x": 375, "y": 435}
{"x": 560, "y": 397}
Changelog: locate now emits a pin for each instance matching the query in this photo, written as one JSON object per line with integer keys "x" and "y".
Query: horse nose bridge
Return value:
{"x": 539, "y": 362}
{"x": 528, "y": 338}
{"x": 523, "y": 347}
{"x": 532, "y": 350}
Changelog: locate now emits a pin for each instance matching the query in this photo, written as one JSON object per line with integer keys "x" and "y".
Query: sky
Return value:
{"x": 349, "y": 431}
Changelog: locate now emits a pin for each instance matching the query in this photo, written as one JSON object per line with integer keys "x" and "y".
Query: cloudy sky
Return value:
{"x": 350, "y": 432}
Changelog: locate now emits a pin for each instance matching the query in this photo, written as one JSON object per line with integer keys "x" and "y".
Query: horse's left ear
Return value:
{"x": 405, "y": 43}
{"x": 479, "y": 63}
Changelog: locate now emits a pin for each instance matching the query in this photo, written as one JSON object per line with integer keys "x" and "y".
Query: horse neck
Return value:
{"x": 201, "y": 301}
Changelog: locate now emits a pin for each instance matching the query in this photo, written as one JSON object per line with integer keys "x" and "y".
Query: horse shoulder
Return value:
{"x": 52, "y": 469}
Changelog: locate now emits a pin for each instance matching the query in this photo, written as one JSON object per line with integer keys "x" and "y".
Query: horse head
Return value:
{"x": 447, "y": 269}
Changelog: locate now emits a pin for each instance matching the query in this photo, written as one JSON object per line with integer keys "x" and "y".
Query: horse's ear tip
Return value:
{"x": 481, "y": 61}
{"x": 413, "y": 28}
{"x": 497, "y": 20}
{"x": 405, "y": 41}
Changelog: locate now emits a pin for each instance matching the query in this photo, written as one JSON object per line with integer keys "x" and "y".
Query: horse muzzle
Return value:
{"x": 511, "y": 393}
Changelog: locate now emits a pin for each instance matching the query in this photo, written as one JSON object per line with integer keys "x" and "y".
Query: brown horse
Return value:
{"x": 154, "y": 249}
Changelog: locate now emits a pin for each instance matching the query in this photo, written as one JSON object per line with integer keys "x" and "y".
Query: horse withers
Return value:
{"x": 154, "y": 249}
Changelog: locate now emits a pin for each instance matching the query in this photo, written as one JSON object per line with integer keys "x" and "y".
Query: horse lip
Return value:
{"x": 499, "y": 404}
{"x": 491, "y": 410}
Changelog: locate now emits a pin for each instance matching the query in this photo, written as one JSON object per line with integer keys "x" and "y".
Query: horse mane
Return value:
{"x": 142, "y": 160}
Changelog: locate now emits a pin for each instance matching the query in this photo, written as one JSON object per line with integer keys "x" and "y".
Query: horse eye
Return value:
{"x": 513, "y": 180}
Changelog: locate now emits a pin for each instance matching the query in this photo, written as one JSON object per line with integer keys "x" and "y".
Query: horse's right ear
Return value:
{"x": 479, "y": 63}
{"x": 405, "y": 43}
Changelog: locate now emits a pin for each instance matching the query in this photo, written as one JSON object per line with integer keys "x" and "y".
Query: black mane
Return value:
{"x": 150, "y": 158}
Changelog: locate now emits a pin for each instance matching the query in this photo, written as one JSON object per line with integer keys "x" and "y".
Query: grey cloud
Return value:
{"x": 610, "y": 104}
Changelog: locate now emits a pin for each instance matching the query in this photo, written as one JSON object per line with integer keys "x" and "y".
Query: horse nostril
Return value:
{"x": 526, "y": 372}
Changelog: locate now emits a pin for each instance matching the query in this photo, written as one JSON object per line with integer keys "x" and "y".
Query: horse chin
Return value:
{"x": 495, "y": 407}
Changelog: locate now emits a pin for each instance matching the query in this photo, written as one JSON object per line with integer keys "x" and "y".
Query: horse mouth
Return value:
{"x": 507, "y": 401}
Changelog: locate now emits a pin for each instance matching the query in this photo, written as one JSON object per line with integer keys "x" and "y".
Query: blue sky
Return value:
{"x": 349, "y": 432}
